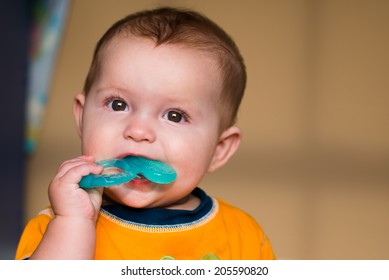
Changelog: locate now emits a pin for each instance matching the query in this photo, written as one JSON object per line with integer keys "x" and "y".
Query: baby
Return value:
{"x": 166, "y": 85}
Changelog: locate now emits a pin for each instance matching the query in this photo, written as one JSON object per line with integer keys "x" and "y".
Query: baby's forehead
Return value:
{"x": 178, "y": 52}
{"x": 210, "y": 58}
{"x": 145, "y": 51}
{"x": 210, "y": 52}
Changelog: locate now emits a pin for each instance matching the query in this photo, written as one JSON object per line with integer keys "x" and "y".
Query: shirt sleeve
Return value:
{"x": 32, "y": 236}
{"x": 266, "y": 250}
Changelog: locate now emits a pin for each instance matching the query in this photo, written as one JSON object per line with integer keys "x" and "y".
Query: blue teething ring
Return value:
{"x": 107, "y": 180}
{"x": 153, "y": 170}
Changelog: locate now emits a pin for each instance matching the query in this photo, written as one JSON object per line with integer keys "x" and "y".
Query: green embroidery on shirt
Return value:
{"x": 167, "y": 258}
{"x": 209, "y": 256}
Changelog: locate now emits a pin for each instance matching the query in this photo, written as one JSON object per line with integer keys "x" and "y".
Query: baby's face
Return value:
{"x": 157, "y": 102}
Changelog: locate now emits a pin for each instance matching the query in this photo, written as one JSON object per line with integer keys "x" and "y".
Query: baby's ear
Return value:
{"x": 228, "y": 143}
{"x": 78, "y": 109}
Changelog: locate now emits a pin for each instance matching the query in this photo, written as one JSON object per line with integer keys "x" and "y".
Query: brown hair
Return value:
{"x": 188, "y": 28}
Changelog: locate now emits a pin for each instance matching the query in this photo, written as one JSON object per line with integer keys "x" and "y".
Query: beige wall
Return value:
{"x": 313, "y": 166}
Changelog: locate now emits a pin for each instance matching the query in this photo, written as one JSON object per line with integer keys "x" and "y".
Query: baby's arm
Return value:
{"x": 71, "y": 233}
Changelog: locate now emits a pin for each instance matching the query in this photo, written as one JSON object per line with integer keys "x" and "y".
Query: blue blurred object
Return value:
{"x": 46, "y": 31}
{"x": 153, "y": 170}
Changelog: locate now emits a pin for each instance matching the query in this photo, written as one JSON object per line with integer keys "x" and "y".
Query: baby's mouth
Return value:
{"x": 140, "y": 180}
{"x": 141, "y": 177}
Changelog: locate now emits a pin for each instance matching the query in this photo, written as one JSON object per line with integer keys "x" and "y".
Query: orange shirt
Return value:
{"x": 217, "y": 230}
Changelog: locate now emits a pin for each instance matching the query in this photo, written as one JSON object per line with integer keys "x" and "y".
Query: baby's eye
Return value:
{"x": 175, "y": 116}
{"x": 117, "y": 105}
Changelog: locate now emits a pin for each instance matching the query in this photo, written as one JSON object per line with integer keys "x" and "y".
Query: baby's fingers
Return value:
{"x": 73, "y": 170}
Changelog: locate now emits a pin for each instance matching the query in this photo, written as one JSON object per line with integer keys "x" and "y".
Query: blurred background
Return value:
{"x": 313, "y": 168}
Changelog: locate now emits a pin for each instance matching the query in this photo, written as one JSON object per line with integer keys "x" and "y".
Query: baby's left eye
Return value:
{"x": 117, "y": 105}
{"x": 175, "y": 116}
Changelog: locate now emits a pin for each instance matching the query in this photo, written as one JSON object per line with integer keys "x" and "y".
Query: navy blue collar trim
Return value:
{"x": 161, "y": 216}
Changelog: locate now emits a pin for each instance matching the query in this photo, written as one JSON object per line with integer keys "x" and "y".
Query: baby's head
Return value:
{"x": 164, "y": 84}
{"x": 185, "y": 29}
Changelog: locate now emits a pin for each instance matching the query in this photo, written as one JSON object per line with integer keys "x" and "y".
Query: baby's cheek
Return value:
{"x": 92, "y": 147}
{"x": 191, "y": 172}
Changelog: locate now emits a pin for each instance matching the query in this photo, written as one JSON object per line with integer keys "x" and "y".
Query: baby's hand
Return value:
{"x": 67, "y": 198}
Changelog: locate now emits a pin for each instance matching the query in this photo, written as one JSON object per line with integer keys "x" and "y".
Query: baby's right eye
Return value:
{"x": 117, "y": 105}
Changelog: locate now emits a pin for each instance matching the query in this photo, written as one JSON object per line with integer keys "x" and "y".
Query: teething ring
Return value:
{"x": 107, "y": 180}
{"x": 153, "y": 170}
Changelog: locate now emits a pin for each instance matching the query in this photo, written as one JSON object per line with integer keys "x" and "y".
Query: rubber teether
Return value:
{"x": 153, "y": 170}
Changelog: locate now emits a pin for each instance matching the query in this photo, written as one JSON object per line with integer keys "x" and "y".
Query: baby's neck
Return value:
{"x": 190, "y": 202}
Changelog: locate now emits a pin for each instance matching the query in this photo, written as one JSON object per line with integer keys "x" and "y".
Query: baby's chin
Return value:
{"x": 139, "y": 197}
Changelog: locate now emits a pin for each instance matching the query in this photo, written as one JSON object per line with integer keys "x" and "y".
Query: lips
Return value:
{"x": 140, "y": 179}
{"x": 121, "y": 156}
{"x": 140, "y": 183}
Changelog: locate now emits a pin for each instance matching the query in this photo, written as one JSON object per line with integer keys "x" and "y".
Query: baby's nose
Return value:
{"x": 140, "y": 129}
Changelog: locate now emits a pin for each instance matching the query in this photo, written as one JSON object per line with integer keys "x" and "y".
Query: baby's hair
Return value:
{"x": 189, "y": 29}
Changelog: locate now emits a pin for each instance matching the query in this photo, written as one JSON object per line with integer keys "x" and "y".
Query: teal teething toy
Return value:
{"x": 153, "y": 170}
